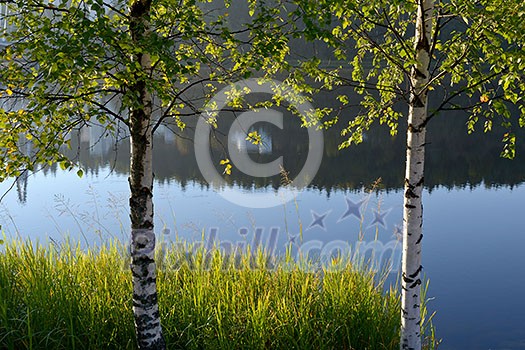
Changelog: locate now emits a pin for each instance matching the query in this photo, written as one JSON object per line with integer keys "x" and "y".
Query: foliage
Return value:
{"x": 477, "y": 64}
{"x": 71, "y": 63}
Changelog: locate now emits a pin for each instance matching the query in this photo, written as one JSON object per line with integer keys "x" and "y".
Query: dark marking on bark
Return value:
{"x": 405, "y": 347}
{"x": 140, "y": 196}
{"x": 409, "y": 193}
{"x": 144, "y": 282}
{"x": 158, "y": 344}
{"x": 141, "y": 300}
{"x": 407, "y": 279}
{"x": 422, "y": 42}
{"x": 141, "y": 259}
{"x": 143, "y": 262}
{"x": 420, "y": 238}
{"x": 415, "y": 284}
{"x": 409, "y": 206}
{"x": 412, "y": 128}
{"x": 148, "y": 281}
{"x": 418, "y": 74}
{"x": 145, "y": 324}
{"x": 415, "y": 102}
{"x": 414, "y": 275}
{"x": 140, "y": 274}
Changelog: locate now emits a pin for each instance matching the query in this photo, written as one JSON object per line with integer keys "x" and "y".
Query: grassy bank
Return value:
{"x": 59, "y": 297}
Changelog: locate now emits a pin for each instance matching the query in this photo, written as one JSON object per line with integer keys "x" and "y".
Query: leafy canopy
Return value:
{"x": 72, "y": 63}
{"x": 477, "y": 64}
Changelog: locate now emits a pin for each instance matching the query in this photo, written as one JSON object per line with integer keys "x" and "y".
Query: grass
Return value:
{"x": 63, "y": 297}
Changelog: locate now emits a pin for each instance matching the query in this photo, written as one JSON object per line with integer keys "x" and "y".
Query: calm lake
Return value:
{"x": 474, "y": 232}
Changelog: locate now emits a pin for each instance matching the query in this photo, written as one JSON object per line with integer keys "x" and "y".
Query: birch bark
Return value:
{"x": 145, "y": 302}
{"x": 414, "y": 177}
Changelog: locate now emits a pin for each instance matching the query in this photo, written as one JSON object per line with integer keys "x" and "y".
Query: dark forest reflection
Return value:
{"x": 454, "y": 159}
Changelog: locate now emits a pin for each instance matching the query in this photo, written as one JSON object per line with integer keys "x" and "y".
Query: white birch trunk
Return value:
{"x": 143, "y": 268}
{"x": 414, "y": 175}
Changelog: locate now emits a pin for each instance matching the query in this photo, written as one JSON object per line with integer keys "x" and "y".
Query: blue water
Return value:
{"x": 472, "y": 252}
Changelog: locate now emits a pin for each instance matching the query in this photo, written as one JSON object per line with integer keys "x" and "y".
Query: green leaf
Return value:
{"x": 254, "y": 137}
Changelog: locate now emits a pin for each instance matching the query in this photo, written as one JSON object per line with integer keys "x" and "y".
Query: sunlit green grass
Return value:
{"x": 63, "y": 297}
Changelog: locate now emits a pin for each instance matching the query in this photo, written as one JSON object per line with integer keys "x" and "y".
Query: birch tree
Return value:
{"x": 397, "y": 53}
{"x": 66, "y": 63}
{"x": 414, "y": 175}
